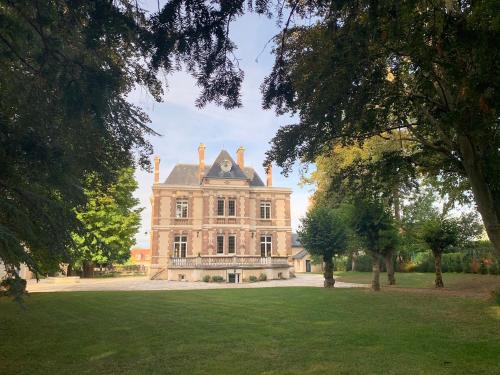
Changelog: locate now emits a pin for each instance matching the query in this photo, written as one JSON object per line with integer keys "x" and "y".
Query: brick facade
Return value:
{"x": 202, "y": 224}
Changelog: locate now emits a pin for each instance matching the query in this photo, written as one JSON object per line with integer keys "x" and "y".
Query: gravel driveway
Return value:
{"x": 143, "y": 283}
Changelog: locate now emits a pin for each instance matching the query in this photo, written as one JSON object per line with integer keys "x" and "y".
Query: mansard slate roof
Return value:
{"x": 187, "y": 174}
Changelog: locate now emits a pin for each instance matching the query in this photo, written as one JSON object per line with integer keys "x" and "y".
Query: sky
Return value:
{"x": 183, "y": 126}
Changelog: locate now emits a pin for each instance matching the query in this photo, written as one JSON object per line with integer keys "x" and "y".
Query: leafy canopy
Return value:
{"x": 352, "y": 70}
{"x": 67, "y": 68}
{"x": 111, "y": 220}
{"x": 323, "y": 232}
{"x": 440, "y": 233}
{"x": 374, "y": 226}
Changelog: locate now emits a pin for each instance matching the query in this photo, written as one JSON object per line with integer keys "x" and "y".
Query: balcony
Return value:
{"x": 218, "y": 262}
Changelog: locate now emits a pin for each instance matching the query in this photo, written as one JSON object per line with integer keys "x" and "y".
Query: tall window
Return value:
{"x": 265, "y": 210}
{"x": 231, "y": 207}
{"x": 265, "y": 246}
{"x": 180, "y": 246}
{"x": 220, "y": 207}
{"x": 181, "y": 208}
{"x": 220, "y": 244}
{"x": 231, "y": 244}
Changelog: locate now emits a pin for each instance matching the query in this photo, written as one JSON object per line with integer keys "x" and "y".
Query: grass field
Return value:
{"x": 460, "y": 282}
{"x": 250, "y": 331}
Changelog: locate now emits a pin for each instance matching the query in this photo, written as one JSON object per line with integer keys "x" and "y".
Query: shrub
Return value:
{"x": 482, "y": 268}
{"x": 363, "y": 263}
{"x": 494, "y": 269}
{"x": 206, "y": 278}
{"x": 262, "y": 277}
{"x": 292, "y": 274}
{"x": 252, "y": 279}
{"x": 217, "y": 279}
{"x": 474, "y": 265}
{"x": 454, "y": 262}
{"x": 340, "y": 263}
{"x": 424, "y": 262}
{"x": 408, "y": 266}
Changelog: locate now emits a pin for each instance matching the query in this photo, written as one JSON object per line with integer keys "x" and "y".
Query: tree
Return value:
{"x": 111, "y": 220}
{"x": 360, "y": 69}
{"x": 439, "y": 233}
{"x": 377, "y": 169}
{"x": 365, "y": 68}
{"x": 67, "y": 68}
{"x": 323, "y": 233}
{"x": 375, "y": 226}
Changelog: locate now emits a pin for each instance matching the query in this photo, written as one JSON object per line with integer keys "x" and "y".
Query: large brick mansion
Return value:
{"x": 219, "y": 220}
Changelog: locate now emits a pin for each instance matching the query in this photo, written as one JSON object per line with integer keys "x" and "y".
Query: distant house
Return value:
{"x": 302, "y": 261}
{"x": 219, "y": 220}
{"x": 141, "y": 256}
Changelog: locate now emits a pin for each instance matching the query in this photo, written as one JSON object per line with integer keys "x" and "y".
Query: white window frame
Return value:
{"x": 229, "y": 201}
{"x": 229, "y": 238}
{"x": 265, "y": 210}
{"x": 181, "y": 208}
{"x": 266, "y": 240}
{"x": 223, "y": 206}
{"x": 217, "y": 244}
{"x": 180, "y": 246}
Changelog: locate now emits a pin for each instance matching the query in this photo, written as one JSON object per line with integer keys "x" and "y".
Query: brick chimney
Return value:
{"x": 269, "y": 174}
{"x": 157, "y": 170}
{"x": 201, "y": 161}
{"x": 240, "y": 157}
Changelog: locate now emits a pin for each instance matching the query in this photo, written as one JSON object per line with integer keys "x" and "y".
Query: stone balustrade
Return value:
{"x": 217, "y": 262}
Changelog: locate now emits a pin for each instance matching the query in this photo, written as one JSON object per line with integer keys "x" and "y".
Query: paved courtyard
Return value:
{"x": 143, "y": 283}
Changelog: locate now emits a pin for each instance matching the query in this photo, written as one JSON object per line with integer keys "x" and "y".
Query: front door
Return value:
{"x": 233, "y": 278}
{"x": 308, "y": 266}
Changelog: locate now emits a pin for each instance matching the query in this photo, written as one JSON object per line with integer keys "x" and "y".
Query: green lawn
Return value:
{"x": 249, "y": 331}
{"x": 452, "y": 281}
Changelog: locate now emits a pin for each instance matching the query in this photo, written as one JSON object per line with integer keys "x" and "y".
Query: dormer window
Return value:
{"x": 181, "y": 209}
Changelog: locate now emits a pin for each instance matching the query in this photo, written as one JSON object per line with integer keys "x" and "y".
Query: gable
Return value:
{"x": 234, "y": 173}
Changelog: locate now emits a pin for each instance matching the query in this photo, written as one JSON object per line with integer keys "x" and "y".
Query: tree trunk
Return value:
{"x": 376, "y": 273}
{"x": 483, "y": 196}
{"x": 397, "y": 207}
{"x": 328, "y": 274}
{"x": 88, "y": 269}
{"x": 439, "y": 275}
{"x": 353, "y": 262}
{"x": 389, "y": 266}
{"x": 69, "y": 270}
